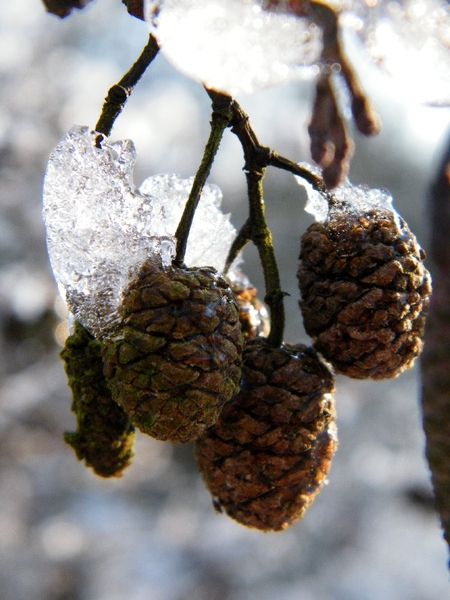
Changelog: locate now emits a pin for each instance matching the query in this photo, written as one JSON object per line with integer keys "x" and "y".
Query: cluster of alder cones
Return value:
{"x": 190, "y": 362}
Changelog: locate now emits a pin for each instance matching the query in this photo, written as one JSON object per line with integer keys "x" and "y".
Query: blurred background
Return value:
{"x": 66, "y": 534}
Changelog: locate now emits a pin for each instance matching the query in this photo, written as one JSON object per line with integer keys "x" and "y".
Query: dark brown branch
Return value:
{"x": 436, "y": 354}
{"x": 63, "y": 8}
{"x": 366, "y": 119}
{"x": 280, "y": 162}
{"x": 135, "y": 8}
{"x": 220, "y": 120}
{"x": 243, "y": 237}
{"x": 257, "y": 157}
{"x": 119, "y": 93}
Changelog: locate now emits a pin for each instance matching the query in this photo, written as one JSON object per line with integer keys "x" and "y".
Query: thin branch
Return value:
{"x": 257, "y": 158}
{"x": 366, "y": 118}
{"x": 243, "y": 237}
{"x": 280, "y": 162}
{"x": 220, "y": 120}
{"x": 63, "y": 8}
{"x": 119, "y": 92}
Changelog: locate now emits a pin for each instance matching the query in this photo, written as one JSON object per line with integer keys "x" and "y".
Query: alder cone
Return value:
{"x": 253, "y": 314}
{"x": 364, "y": 292}
{"x": 105, "y": 436}
{"x": 269, "y": 453}
{"x": 178, "y": 357}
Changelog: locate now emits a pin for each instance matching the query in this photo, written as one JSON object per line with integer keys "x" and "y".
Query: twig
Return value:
{"x": 63, "y": 8}
{"x": 257, "y": 157}
{"x": 119, "y": 92}
{"x": 280, "y": 162}
{"x": 243, "y": 237}
{"x": 220, "y": 120}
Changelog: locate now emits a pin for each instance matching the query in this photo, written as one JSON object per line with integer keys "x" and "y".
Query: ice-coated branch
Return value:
{"x": 118, "y": 94}
{"x": 220, "y": 119}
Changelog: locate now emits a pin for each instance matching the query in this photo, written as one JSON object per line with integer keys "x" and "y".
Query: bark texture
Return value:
{"x": 436, "y": 355}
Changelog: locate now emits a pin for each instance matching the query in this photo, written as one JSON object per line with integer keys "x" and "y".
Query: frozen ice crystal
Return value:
{"x": 234, "y": 46}
{"x": 360, "y": 198}
{"x": 210, "y": 228}
{"x": 101, "y": 228}
{"x": 409, "y": 40}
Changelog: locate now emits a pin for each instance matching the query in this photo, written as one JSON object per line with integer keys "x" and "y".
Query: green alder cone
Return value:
{"x": 269, "y": 454}
{"x": 105, "y": 436}
{"x": 177, "y": 359}
{"x": 364, "y": 292}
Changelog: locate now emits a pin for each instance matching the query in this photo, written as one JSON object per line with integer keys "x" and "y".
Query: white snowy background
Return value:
{"x": 153, "y": 534}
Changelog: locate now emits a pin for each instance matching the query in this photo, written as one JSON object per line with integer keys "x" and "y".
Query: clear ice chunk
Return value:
{"x": 234, "y": 46}
{"x": 360, "y": 198}
{"x": 408, "y": 40}
{"x": 101, "y": 228}
{"x": 211, "y": 232}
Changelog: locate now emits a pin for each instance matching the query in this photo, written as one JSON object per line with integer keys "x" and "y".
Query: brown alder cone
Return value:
{"x": 269, "y": 453}
{"x": 253, "y": 314}
{"x": 364, "y": 292}
{"x": 178, "y": 357}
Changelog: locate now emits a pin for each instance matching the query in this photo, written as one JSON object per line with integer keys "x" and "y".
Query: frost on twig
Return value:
{"x": 101, "y": 227}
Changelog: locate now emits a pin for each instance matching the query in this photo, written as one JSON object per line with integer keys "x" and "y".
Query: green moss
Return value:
{"x": 104, "y": 436}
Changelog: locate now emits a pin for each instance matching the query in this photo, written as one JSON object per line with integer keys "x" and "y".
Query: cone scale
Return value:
{"x": 178, "y": 357}
{"x": 364, "y": 292}
{"x": 268, "y": 455}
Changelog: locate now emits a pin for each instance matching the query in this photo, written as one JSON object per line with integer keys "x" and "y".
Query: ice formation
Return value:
{"x": 101, "y": 228}
{"x": 410, "y": 41}
{"x": 360, "y": 198}
{"x": 233, "y": 46}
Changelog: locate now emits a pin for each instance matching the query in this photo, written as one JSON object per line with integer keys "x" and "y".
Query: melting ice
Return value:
{"x": 101, "y": 228}
{"x": 233, "y": 45}
{"x": 360, "y": 198}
